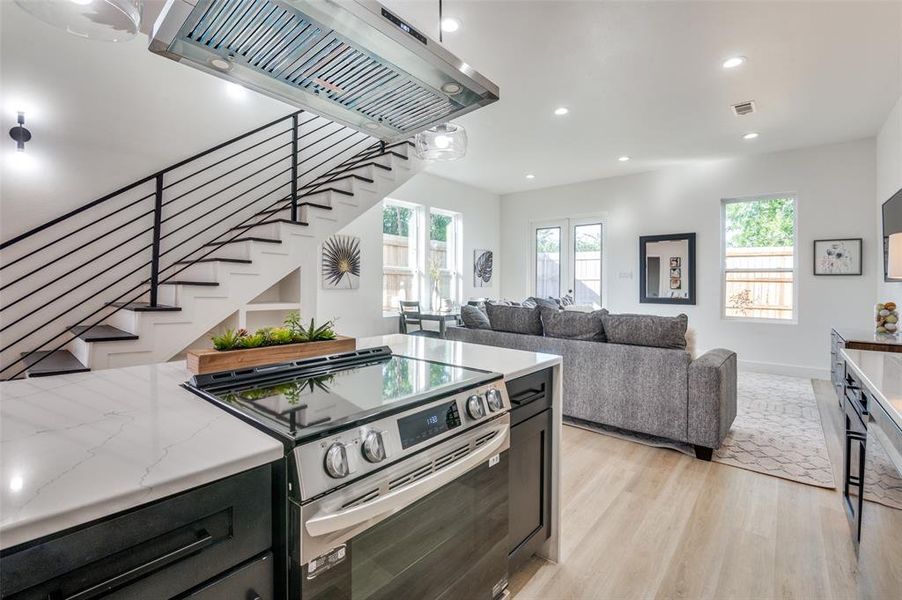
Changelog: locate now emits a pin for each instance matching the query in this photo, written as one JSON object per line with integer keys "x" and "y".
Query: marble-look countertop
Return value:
{"x": 510, "y": 363}
{"x": 77, "y": 447}
{"x": 881, "y": 372}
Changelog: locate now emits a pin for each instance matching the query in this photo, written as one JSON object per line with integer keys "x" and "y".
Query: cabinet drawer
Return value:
{"x": 251, "y": 581}
{"x": 529, "y": 395}
{"x": 152, "y": 552}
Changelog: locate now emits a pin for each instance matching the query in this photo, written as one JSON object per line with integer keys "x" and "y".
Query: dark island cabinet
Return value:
{"x": 210, "y": 542}
{"x": 530, "y": 466}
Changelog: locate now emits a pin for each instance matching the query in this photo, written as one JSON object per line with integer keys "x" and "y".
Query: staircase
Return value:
{"x": 137, "y": 276}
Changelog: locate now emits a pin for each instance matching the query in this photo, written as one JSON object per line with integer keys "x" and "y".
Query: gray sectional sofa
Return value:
{"x": 659, "y": 391}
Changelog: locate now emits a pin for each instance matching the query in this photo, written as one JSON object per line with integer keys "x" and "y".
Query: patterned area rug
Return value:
{"x": 777, "y": 431}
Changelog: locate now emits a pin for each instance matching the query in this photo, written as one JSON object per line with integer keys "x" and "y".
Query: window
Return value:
{"x": 399, "y": 254}
{"x": 443, "y": 265}
{"x": 568, "y": 259}
{"x": 759, "y": 258}
{"x": 421, "y": 258}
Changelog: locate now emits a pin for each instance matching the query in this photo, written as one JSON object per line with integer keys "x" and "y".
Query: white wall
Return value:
{"x": 889, "y": 181}
{"x": 359, "y": 312}
{"x": 834, "y": 185}
{"x": 102, "y": 115}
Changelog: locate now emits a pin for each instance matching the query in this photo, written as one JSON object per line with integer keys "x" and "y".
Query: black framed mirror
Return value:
{"x": 667, "y": 269}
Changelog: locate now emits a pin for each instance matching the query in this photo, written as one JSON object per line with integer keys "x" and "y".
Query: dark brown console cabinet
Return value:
{"x": 210, "y": 542}
{"x": 530, "y": 465}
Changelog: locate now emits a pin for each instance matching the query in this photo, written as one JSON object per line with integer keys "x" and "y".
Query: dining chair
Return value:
{"x": 412, "y": 315}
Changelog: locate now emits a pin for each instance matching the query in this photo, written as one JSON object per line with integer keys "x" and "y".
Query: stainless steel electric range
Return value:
{"x": 395, "y": 474}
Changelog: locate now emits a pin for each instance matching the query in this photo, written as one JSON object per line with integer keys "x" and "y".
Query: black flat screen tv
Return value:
{"x": 892, "y": 223}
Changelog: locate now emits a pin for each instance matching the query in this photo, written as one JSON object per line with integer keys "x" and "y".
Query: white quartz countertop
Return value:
{"x": 881, "y": 372}
{"x": 74, "y": 448}
{"x": 78, "y": 447}
{"x": 510, "y": 363}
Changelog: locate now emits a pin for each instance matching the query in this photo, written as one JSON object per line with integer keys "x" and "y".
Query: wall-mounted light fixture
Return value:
{"x": 19, "y": 133}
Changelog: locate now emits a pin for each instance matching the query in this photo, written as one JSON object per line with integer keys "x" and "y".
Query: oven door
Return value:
{"x": 431, "y": 526}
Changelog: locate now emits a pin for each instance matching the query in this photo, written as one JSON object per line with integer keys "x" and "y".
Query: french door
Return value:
{"x": 567, "y": 258}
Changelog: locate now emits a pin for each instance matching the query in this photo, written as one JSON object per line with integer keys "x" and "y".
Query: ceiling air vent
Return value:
{"x": 744, "y": 108}
{"x": 351, "y": 61}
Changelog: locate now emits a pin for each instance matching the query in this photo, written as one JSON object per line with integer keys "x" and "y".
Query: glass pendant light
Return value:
{"x": 442, "y": 142}
{"x": 106, "y": 20}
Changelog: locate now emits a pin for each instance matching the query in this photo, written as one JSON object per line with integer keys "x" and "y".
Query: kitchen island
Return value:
{"x": 82, "y": 449}
{"x": 872, "y": 482}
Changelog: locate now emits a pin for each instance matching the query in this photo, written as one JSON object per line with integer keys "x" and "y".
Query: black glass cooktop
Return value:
{"x": 311, "y": 398}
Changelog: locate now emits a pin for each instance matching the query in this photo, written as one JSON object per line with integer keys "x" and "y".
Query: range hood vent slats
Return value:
{"x": 288, "y": 49}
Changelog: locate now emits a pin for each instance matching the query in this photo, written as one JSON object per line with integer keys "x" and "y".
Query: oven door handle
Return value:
{"x": 325, "y": 523}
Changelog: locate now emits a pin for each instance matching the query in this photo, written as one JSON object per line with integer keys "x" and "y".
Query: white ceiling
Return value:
{"x": 642, "y": 79}
{"x": 645, "y": 79}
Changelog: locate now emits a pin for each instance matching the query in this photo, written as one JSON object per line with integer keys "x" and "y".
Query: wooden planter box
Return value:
{"x": 209, "y": 360}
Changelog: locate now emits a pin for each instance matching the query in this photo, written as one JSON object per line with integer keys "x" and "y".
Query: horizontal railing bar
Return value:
{"x": 141, "y": 181}
{"x": 214, "y": 194}
{"x": 241, "y": 224}
{"x": 241, "y": 231}
{"x": 219, "y": 162}
{"x": 63, "y": 256}
{"x": 66, "y": 293}
{"x": 9, "y": 305}
{"x": 249, "y": 176}
{"x": 73, "y": 232}
{"x": 227, "y": 202}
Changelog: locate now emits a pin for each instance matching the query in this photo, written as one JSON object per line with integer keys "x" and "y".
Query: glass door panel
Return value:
{"x": 587, "y": 263}
{"x": 548, "y": 262}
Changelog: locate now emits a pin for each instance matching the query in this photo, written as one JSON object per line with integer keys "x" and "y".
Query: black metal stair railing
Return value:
{"x": 78, "y": 269}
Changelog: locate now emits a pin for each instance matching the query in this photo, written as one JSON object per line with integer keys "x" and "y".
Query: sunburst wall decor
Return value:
{"x": 341, "y": 263}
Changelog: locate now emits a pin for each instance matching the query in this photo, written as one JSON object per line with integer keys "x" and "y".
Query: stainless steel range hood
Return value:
{"x": 352, "y": 61}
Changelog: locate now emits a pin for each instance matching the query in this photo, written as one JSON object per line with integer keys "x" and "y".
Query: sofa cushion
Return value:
{"x": 646, "y": 330}
{"x": 514, "y": 319}
{"x": 474, "y": 318}
{"x": 573, "y": 325}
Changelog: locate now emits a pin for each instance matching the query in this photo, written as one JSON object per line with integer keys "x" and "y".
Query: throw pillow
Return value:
{"x": 515, "y": 319}
{"x": 647, "y": 330}
{"x": 541, "y": 302}
{"x": 574, "y": 325}
{"x": 474, "y": 318}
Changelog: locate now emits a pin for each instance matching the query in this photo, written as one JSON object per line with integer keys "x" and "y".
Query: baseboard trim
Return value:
{"x": 781, "y": 369}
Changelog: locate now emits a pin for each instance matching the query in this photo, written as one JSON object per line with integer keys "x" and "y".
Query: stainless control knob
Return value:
{"x": 336, "y": 462}
{"x": 373, "y": 447}
{"x": 475, "y": 407}
{"x": 493, "y": 399}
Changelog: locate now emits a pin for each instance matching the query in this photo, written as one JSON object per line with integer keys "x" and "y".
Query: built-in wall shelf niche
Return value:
{"x": 270, "y": 308}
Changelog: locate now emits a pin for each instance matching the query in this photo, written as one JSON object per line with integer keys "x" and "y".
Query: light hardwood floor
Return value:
{"x": 642, "y": 522}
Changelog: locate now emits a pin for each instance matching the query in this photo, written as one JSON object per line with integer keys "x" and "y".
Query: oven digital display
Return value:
{"x": 428, "y": 423}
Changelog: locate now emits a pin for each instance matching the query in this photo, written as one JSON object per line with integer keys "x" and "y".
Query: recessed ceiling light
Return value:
{"x": 733, "y": 62}
{"x": 220, "y": 63}
{"x": 750, "y": 135}
{"x": 623, "y": 158}
{"x": 450, "y": 25}
{"x": 530, "y": 176}
{"x": 82, "y": 2}
{"x": 561, "y": 111}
